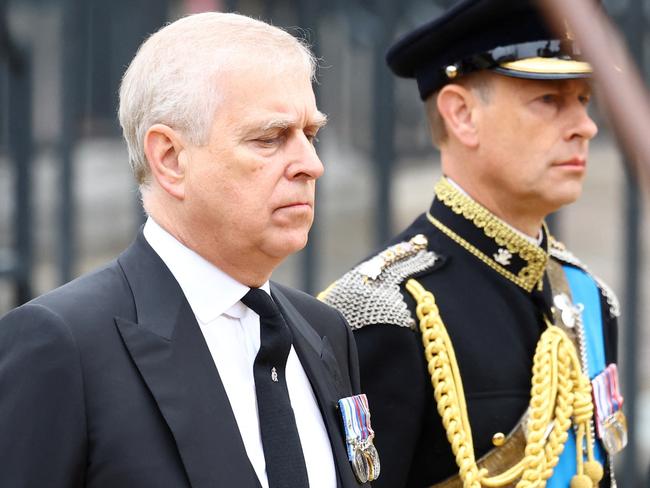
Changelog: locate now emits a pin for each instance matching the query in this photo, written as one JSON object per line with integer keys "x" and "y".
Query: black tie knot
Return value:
{"x": 260, "y": 302}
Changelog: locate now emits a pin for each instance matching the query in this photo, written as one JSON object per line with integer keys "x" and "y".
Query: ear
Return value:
{"x": 165, "y": 152}
{"x": 457, "y": 106}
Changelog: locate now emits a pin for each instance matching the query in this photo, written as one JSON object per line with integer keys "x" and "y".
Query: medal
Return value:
{"x": 359, "y": 435}
{"x": 360, "y": 466}
{"x": 373, "y": 460}
{"x": 611, "y": 425}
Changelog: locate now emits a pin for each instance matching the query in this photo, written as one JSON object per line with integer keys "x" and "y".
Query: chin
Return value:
{"x": 563, "y": 199}
{"x": 287, "y": 245}
{"x": 567, "y": 190}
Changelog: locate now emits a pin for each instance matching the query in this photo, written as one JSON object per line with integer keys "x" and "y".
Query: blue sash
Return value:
{"x": 584, "y": 291}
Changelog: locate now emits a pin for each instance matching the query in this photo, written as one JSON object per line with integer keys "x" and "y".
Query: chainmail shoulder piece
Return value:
{"x": 559, "y": 251}
{"x": 370, "y": 293}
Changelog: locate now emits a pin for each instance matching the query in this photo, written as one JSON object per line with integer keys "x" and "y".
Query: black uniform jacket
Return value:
{"x": 494, "y": 325}
{"x": 107, "y": 382}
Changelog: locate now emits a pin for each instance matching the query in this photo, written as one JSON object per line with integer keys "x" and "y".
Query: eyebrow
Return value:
{"x": 318, "y": 120}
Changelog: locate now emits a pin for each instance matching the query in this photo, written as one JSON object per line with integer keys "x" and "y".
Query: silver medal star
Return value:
{"x": 569, "y": 312}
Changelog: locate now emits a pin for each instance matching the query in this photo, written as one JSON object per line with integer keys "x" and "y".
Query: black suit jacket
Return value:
{"x": 108, "y": 382}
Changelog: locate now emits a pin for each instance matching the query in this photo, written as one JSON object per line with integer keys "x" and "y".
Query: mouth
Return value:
{"x": 297, "y": 203}
{"x": 577, "y": 163}
{"x": 296, "y": 206}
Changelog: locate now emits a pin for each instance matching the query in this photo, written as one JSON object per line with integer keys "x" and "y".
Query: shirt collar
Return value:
{"x": 209, "y": 291}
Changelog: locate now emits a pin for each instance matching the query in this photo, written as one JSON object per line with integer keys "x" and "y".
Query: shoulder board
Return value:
{"x": 559, "y": 251}
{"x": 370, "y": 293}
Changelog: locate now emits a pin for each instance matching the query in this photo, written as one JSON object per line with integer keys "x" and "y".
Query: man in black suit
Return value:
{"x": 146, "y": 373}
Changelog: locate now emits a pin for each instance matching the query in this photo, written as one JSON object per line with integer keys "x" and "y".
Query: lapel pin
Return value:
{"x": 274, "y": 374}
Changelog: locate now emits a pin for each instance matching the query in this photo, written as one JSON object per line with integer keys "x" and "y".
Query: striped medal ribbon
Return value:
{"x": 359, "y": 437}
{"x": 611, "y": 425}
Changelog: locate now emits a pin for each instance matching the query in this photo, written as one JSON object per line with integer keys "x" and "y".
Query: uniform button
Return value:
{"x": 498, "y": 439}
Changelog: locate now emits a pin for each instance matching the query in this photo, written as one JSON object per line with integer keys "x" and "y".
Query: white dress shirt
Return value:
{"x": 232, "y": 333}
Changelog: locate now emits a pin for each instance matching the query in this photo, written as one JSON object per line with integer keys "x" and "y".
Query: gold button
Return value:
{"x": 498, "y": 439}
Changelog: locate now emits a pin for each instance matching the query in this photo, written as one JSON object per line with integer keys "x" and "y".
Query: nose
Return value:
{"x": 583, "y": 126}
{"x": 304, "y": 161}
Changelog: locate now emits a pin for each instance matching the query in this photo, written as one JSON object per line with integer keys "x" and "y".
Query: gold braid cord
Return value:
{"x": 559, "y": 392}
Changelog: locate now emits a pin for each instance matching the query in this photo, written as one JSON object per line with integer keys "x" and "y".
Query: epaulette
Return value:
{"x": 370, "y": 292}
{"x": 559, "y": 251}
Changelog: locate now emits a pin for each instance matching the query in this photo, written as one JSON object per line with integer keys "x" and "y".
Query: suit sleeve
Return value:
{"x": 42, "y": 418}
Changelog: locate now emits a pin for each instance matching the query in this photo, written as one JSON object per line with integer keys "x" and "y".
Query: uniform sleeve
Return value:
{"x": 392, "y": 376}
{"x": 610, "y": 332}
{"x": 42, "y": 419}
{"x": 353, "y": 359}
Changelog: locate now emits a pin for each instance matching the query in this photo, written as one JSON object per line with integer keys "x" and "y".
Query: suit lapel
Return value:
{"x": 322, "y": 370}
{"x": 169, "y": 350}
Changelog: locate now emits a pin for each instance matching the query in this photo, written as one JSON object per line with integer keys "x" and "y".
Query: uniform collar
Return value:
{"x": 497, "y": 244}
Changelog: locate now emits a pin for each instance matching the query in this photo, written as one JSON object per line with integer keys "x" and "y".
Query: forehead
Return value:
{"x": 509, "y": 84}
{"x": 247, "y": 67}
{"x": 255, "y": 96}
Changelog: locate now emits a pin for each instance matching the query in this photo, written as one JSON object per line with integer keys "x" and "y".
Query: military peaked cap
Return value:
{"x": 506, "y": 36}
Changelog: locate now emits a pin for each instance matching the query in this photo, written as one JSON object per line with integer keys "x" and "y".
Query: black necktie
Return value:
{"x": 285, "y": 463}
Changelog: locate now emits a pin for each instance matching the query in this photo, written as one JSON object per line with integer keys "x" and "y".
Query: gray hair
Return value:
{"x": 172, "y": 79}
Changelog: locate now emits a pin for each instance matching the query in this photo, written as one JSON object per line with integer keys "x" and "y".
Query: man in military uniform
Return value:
{"x": 481, "y": 338}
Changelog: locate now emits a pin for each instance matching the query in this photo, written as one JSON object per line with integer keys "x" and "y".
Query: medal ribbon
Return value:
{"x": 356, "y": 421}
{"x": 607, "y": 396}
